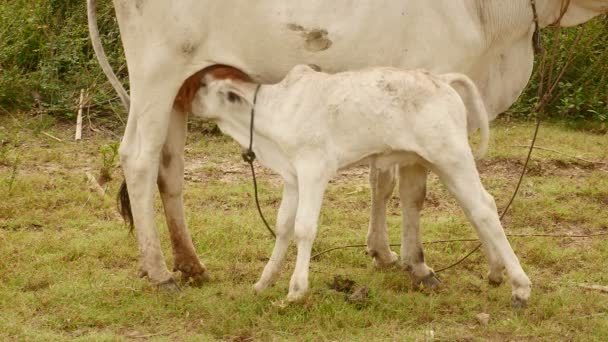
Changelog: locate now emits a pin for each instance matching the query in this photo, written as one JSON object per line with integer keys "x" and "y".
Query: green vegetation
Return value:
{"x": 46, "y": 58}
{"x": 68, "y": 265}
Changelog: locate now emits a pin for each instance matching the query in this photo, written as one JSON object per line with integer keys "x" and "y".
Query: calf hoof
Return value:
{"x": 495, "y": 279}
{"x": 169, "y": 286}
{"x": 297, "y": 290}
{"x": 295, "y": 296}
{"x": 428, "y": 282}
{"x": 520, "y": 294}
{"x": 518, "y": 303}
{"x": 385, "y": 261}
{"x": 259, "y": 287}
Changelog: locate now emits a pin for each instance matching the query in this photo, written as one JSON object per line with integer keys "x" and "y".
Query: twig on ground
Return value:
{"x": 100, "y": 190}
{"x": 78, "y": 135}
{"x": 163, "y": 333}
{"x": 561, "y": 153}
{"x": 51, "y": 136}
{"x": 600, "y": 288}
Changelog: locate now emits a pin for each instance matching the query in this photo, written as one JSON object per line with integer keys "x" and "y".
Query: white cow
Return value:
{"x": 166, "y": 42}
{"x": 311, "y": 124}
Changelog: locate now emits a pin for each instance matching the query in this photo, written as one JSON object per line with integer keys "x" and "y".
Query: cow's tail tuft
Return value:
{"x": 476, "y": 110}
{"x": 124, "y": 205}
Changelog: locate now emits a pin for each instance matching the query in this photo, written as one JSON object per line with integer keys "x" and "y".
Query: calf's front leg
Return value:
{"x": 285, "y": 229}
{"x": 311, "y": 187}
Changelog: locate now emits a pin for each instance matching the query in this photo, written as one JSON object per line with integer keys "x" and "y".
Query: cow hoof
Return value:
{"x": 193, "y": 273}
{"x": 386, "y": 262}
{"x": 169, "y": 286}
{"x": 196, "y": 280}
{"x": 518, "y": 302}
{"x": 430, "y": 282}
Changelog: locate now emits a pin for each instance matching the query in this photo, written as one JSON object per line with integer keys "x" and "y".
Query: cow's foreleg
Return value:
{"x": 311, "y": 186}
{"x": 462, "y": 179}
{"x": 170, "y": 185}
{"x": 412, "y": 190}
{"x": 140, "y": 153}
{"x": 382, "y": 183}
{"x": 285, "y": 229}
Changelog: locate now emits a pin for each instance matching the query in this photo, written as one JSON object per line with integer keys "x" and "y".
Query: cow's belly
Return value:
{"x": 266, "y": 38}
{"x": 340, "y": 35}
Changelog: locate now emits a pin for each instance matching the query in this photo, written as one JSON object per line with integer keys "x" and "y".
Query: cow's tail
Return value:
{"x": 101, "y": 54}
{"x": 124, "y": 205}
{"x": 476, "y": 110}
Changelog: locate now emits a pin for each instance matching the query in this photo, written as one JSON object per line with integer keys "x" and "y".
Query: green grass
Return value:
{"x": 68, "y": 265}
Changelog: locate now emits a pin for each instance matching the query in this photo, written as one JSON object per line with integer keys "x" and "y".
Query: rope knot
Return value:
{"x": 248, "y": 156}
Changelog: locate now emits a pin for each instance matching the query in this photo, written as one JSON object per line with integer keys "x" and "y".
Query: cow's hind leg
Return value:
{"x": 140, "y": 151}
{"x": 170, "y": 184}
{"x": 382, "y": 183}
{"x": 285, "y": 229}
{"x": 412, "y": 190}
{"x": 462, "y": 179}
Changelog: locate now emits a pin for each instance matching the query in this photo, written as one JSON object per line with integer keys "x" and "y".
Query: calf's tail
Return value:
{"x": 476, "y": 110}
{"x": 124, "y": 205}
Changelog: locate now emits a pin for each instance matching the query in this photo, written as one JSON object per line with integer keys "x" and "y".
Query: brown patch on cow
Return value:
{"x": 419, "y": 256}
{"x": 166, "y": 159}
{"x": 315, "y": 40}
{"x": 162, "y": 185}
{"x": 183, "y": 100}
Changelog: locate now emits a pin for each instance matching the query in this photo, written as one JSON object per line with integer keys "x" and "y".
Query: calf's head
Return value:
{"x": 223, "y": 98}
{"x": 216, "y": 92}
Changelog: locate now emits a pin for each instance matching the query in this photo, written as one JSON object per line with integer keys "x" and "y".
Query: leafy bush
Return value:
{"x": 46, "y": 56}
{"x": 582, "y": 93}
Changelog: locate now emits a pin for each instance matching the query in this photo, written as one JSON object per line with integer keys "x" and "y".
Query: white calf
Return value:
{"x": 312, "y": 124}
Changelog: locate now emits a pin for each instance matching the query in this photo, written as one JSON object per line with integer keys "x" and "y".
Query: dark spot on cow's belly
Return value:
{"x": 188, "y": 48}
{"x": 315, "y": 40}
{"x": 295, "y": 27}
{"x": 139, "y": 4}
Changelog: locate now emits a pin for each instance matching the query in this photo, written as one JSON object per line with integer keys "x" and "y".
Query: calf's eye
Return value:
{"x": 233, "y": 98}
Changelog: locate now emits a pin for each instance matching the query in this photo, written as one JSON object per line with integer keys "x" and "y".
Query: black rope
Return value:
{"x": 249, "y": 157}
{"x": 536, "y": 38}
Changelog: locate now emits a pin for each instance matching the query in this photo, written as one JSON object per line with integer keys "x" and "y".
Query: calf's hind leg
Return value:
{"x": 412, "y": 190}
{"x": 462, "y": 179}
{"x": 382, "y": 183}
{"x": 170, "y": 184}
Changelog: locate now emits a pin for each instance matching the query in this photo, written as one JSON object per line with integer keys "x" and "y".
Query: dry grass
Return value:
{"x": 68, "y": 266}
